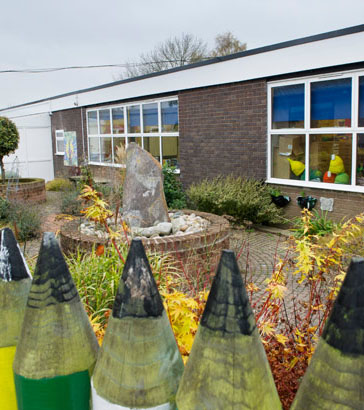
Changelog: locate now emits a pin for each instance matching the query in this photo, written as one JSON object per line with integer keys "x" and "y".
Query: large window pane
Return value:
{"x": 288, "y": 156}
{"x": 94, "y": 149}
{"x": 288, "y": 106}
{"x": 133, "y": 118}
{"x": 360, "y": 160}
{"x": 119, "y": 150}
{"x": 118, "y": 120}
{"x": 331, "y": 103}
{"x": 104, "y": 118}
{"x": 106, "y": 150}
{"x": 170, "y": 151}
{"x": 361, "y": 101}
{"x": 92, "y": 123}
{"x": 151, "y": 144}
{"x": 330, "y": 158}
{"x": 150, "y": 117}
{"x": 169, "y": 116}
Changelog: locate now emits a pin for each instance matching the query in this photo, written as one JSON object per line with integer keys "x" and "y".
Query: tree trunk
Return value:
{"x": 2, "y": 170}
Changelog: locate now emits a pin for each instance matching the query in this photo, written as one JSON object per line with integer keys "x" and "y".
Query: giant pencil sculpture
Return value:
{"x": 15, "y": 281}
{"x": 335, "y": 377}
{"x": 57, "y": 348}
{"x": 227, "y": 367}
{"x": 139, "y": 365}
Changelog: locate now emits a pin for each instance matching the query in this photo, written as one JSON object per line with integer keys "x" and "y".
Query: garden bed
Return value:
{"x": 201, "y": 249}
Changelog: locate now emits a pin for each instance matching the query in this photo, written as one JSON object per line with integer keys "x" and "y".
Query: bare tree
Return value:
{"x": 174, "y": 52}
{"x": 226, "y": 44}
{"x": 179, "y": 51}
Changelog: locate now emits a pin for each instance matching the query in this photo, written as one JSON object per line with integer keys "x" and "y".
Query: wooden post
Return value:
{"x": 57, "y": 347}
{"x": 139, "y": 365}
{"x": 227, "y": 367}
{"x": 15, "y": 281}
{"x": 335, "y": 377}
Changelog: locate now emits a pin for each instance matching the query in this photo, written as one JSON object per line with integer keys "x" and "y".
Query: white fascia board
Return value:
{"x": 330, "y": 52}
{"x": 27, "y": 110}
{"x": 319, "y": 54}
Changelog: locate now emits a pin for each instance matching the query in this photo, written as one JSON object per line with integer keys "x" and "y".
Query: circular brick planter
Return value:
{"x": 25, "y": 190}
{"x": 191, "y": 251}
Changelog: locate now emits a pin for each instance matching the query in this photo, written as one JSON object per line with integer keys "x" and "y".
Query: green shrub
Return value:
{"x": 173, "y": 190}
{"x": 71, "y": 204}
{"x": 316, "y": 224}
{"x": 26, "y": 220}
{"x": 97, "y": 277}
{"x": 60, "y": 184}
{"x": 9, "y": 141}
{"x": 4, "y": 208}
{"x": 243, "y": 199}
{"x": 105, "y": 189}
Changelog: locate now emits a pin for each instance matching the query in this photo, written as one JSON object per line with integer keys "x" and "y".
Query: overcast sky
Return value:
{"x": 46, "y": 33}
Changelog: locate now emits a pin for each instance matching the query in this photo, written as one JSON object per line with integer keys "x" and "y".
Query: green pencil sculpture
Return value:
{"x": 335, "y": 377}
{"x": 15, "y": 281}
{"x": 227, "y": 367}
{"x": 139, "y": 364}
{"x": 57, "y": 347}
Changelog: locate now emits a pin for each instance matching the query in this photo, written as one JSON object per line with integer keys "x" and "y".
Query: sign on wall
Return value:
{"x": 70, "y": 150}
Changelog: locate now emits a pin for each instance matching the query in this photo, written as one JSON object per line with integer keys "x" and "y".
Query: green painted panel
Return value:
{"x": 70, "y": 392}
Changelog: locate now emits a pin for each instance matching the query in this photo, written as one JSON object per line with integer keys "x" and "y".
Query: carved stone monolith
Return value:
{"x": 144, "y": 203}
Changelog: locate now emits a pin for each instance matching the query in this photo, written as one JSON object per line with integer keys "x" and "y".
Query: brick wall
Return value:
{"x": 68, "y": 120}
{"x": 346, "y": 204}
{"x": 223, "y": 129}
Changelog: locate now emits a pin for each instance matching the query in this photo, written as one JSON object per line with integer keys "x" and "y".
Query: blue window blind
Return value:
{"x": 361, "y": 101}
{"x": 169, "y": 115}
{"x": 288, "y": 106}
{"x": 134, "y": 116}
{"x": 150, "y": 114}
{"x": 331, "y": 101}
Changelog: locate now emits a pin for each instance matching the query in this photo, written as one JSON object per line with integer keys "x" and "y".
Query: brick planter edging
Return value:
{"x": 27, "y": 190}
{"x": 191, "y": 251}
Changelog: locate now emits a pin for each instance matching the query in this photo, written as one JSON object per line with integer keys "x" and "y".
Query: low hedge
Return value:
{"x": 241, "y": 198}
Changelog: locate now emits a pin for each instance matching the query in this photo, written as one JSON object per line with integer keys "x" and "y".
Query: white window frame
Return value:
{"x": 354, "y": 129}
{"x": 127, "y": 135}
{"x": 59, "y": 138}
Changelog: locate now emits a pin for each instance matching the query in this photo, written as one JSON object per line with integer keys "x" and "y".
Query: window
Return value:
{"x": 361, "y": 101}
{"x": 59, "y": 142}
{"x": 331, "y": 103}
{"x": 92, "y": 123}
{"x": 150, "y": 117}
{"x": 153, "y": 125}
{"x": 288, "y": 106}
{"x": 104, "y": 116}
{"x": 316, "y": 132}
{"x": 169, "y": 116}
{"x": 133, "y": 119}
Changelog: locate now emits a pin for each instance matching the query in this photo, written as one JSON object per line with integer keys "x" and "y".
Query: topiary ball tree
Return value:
{"x": 9, "y": 141}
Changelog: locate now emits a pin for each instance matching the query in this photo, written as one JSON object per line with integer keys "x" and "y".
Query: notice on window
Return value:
{"x": 70, "y": 154}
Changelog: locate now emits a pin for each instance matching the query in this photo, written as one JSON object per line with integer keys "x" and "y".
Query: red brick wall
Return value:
{"x": 223, "y": 129}
{"x": 31, "y": 191}
{"x": 68, "y": 120}
{"x": 346, "y": 204}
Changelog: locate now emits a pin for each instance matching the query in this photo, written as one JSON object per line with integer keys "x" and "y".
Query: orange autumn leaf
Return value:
{"x": 100, "y": 250}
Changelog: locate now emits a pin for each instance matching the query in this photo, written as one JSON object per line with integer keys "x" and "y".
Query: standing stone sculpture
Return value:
{"x": 144, "y": 203}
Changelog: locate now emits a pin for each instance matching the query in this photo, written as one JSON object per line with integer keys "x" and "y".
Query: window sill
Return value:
{"x": 59, "y": 153}
{"x": 317, "y": 185}
{"x": 102, "y": 164}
